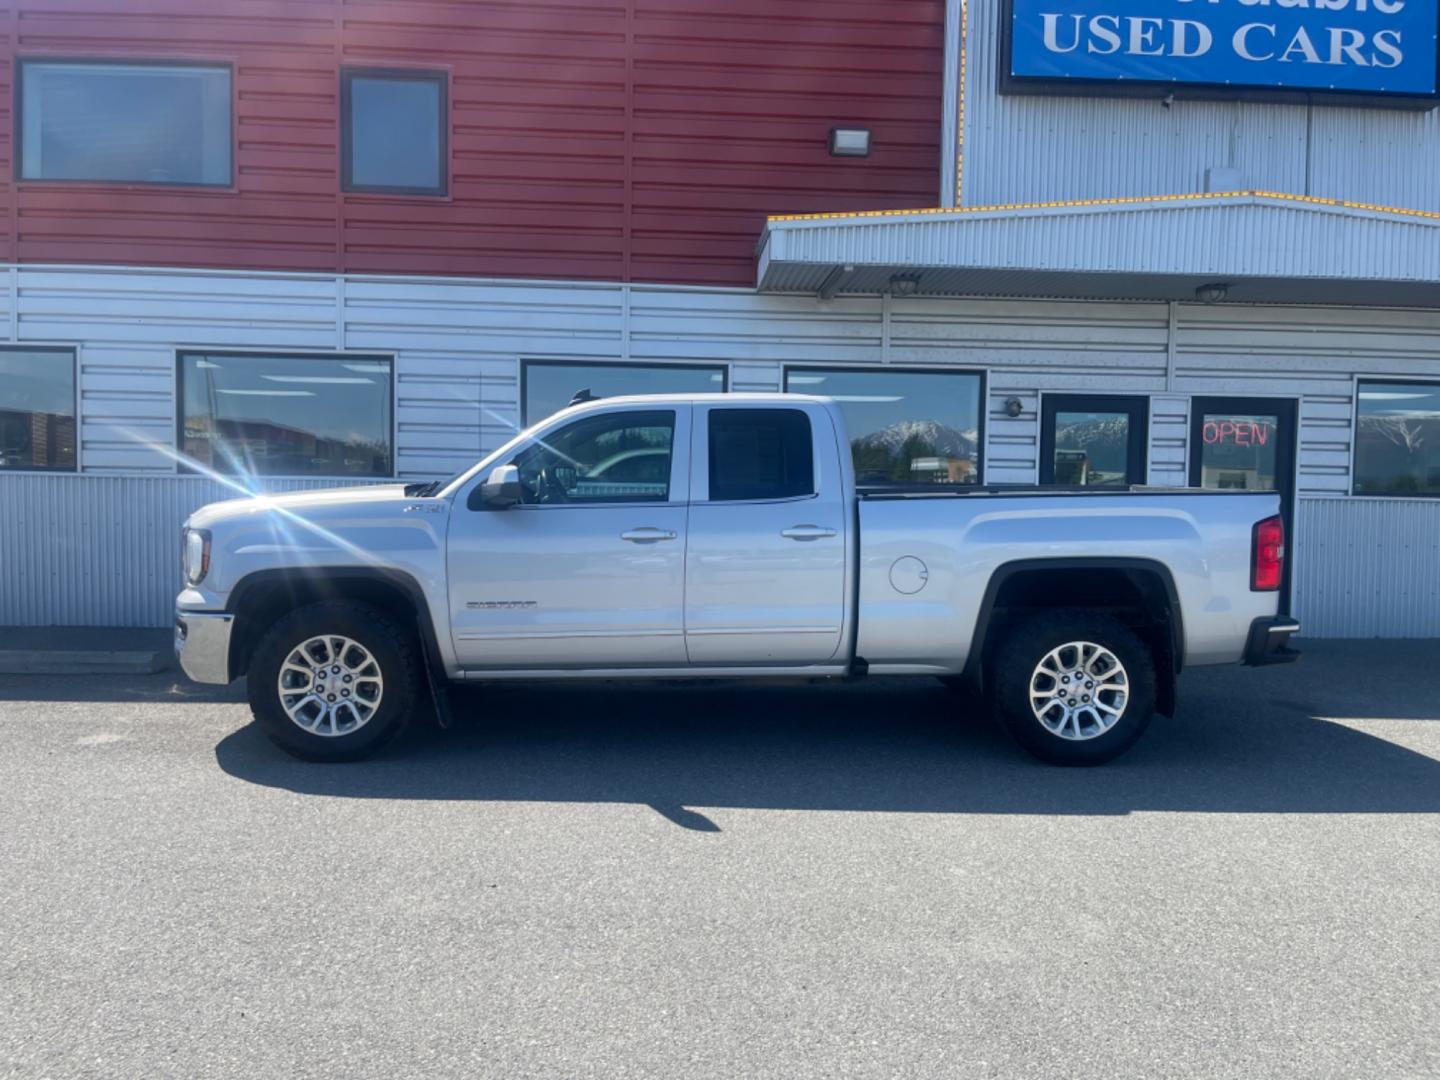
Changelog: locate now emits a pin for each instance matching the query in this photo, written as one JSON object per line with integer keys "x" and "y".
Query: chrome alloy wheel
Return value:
{"x": 330, "y": 685}
{"x": 1079, "y": 691}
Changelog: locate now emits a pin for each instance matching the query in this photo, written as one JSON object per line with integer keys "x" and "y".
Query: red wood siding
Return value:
{"x": 615, "y": 139}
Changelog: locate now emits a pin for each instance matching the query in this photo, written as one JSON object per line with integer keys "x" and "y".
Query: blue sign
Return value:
{"x": 1355, "y": 47}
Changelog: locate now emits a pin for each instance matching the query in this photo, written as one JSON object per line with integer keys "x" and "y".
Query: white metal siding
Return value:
{"x": 100, "y": 547}
{"x": 1169, "y": 440}
{"x": 1037, "y": 149}
{"x": 1012, "y": 444}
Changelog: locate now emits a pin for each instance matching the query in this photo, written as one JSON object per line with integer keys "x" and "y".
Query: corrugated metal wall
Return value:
{"x": 99, "y": 551}
{"x": 100, "y": 547}
{"x": 1369, "y": 568}
{"x": 598, "y": 139}
{"x": 1040, "y": 149}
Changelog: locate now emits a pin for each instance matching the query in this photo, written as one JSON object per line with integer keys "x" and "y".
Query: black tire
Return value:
{"x": 394, "y": 652}
{"x": 1030, "y": 642}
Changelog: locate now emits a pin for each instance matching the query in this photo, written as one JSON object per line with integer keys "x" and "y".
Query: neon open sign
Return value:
{"x": 1236, "y": 433}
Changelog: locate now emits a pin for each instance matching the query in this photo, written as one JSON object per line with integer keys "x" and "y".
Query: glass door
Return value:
{"x": 1246, "y": 444}
{"x": 1090, "y": 441}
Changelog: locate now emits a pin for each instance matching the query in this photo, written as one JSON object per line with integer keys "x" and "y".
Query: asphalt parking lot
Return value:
{"x": 712, "y": 881}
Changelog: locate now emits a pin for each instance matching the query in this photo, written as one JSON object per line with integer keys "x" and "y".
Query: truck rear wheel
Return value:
{"x": 333, "y": 681}
{"x": 1074, "y": 687}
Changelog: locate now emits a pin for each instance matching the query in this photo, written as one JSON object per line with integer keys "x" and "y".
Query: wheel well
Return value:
{"x": 261, "y": 600}
{"x": 1141, "y": 596}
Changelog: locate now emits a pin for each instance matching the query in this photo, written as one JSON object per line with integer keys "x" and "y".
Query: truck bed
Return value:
{"x": 958, "y": 547}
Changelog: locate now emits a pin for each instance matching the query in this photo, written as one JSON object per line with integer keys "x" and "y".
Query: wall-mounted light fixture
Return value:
{"x": 1212, "y": 293}
{"x": 904, "y": 284}
{"x": 1014, "y": 407}
{"x": 849, "y": 142}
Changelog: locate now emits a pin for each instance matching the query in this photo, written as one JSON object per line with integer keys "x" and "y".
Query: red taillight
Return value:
{"x": 1267, "y": 555}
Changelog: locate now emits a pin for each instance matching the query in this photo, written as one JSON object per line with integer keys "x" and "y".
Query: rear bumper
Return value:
{"x": 1269, "y": 641}
{"x": 202, "y": 645}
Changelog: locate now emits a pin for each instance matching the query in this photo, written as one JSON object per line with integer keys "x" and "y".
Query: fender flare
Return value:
{"x": 333, "y": 579}
{"x": 1003, "y": 573}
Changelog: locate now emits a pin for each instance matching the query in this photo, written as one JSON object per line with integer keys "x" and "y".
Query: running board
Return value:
{"x": 827, "y": 671}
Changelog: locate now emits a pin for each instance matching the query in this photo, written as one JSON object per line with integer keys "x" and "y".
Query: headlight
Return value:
{"x": 196, "y": 555}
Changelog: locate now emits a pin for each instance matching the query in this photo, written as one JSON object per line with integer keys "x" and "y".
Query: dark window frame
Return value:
{"x": 17, "y": 125}
{"x": 982, "y": 404}
{"x": 439, "y": 76}
{"x": 74, "y": 353}
{"x": 1136, "y": 405}
{"x": 731, "y": 412}
{"x": 286, "y": 354}
{"x": 1355, "y": 441}
{"x": 526, "y": 364}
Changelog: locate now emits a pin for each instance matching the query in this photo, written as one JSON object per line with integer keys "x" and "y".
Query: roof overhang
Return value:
{"x": 1264, "y": 247}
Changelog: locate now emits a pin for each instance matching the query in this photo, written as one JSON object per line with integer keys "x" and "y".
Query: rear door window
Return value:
{"x": 758, "y": 454}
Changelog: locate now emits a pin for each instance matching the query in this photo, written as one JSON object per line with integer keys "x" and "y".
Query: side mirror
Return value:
{"x": 501, "y": 488}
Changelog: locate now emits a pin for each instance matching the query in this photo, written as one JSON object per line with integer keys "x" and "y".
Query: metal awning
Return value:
{"x": 1264, "y": 247}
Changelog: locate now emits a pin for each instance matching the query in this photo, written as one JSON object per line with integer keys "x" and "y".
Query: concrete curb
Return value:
{"x": 82, "y": 662}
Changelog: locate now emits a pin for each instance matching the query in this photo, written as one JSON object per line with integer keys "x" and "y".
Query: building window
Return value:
{"x": 1090, "y": 441}
{"x": 1397, "y": 439}
{"x": 905, "y": 427}
{"x": 547, "y": 386}
{"x": 147, "y": 123}
{"x": 277, "y": 415}
{"x": 393, "y": 130}
{"x": 37, "y": 409}
{"x": 760, "y": 454}
{"x": 618, "y": 457}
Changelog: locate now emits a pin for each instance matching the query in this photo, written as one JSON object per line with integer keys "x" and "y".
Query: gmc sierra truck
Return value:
{"x": 707, "y": 536}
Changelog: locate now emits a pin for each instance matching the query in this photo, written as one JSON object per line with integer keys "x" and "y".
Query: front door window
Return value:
{"x": 610, "y": 458}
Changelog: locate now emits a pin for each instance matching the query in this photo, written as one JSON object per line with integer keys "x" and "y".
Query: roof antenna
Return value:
{"x": 582, "y": 396}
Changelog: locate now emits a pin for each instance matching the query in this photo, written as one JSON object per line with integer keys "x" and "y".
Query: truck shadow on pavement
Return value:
{"x": 891, "y": 746}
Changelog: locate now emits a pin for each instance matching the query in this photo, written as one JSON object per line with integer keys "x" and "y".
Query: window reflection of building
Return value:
{"x": 52, "y": 440}
{"x": 942, "y": 470}
{"x": 1397, "y": 440}
{"x": 905, "y": 427}
{"x": 36, "y": 440}
{"x": 266, "y": 447}
{"x": 1072, "y": 467}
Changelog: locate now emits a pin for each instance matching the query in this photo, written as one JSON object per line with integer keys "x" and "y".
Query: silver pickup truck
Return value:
{"x": 722, "y": 536}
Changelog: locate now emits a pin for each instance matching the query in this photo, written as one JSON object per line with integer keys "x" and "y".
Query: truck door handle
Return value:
{"x": 647, "y": 535}
{"x": 807, "y": 532}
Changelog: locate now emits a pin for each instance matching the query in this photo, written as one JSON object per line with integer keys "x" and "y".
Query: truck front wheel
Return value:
{"x": 333, "y": 681}
{"x": 1074, "y": 687}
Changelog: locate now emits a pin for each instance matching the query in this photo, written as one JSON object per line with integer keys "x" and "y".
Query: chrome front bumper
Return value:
{"x": 202, "y": 645}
